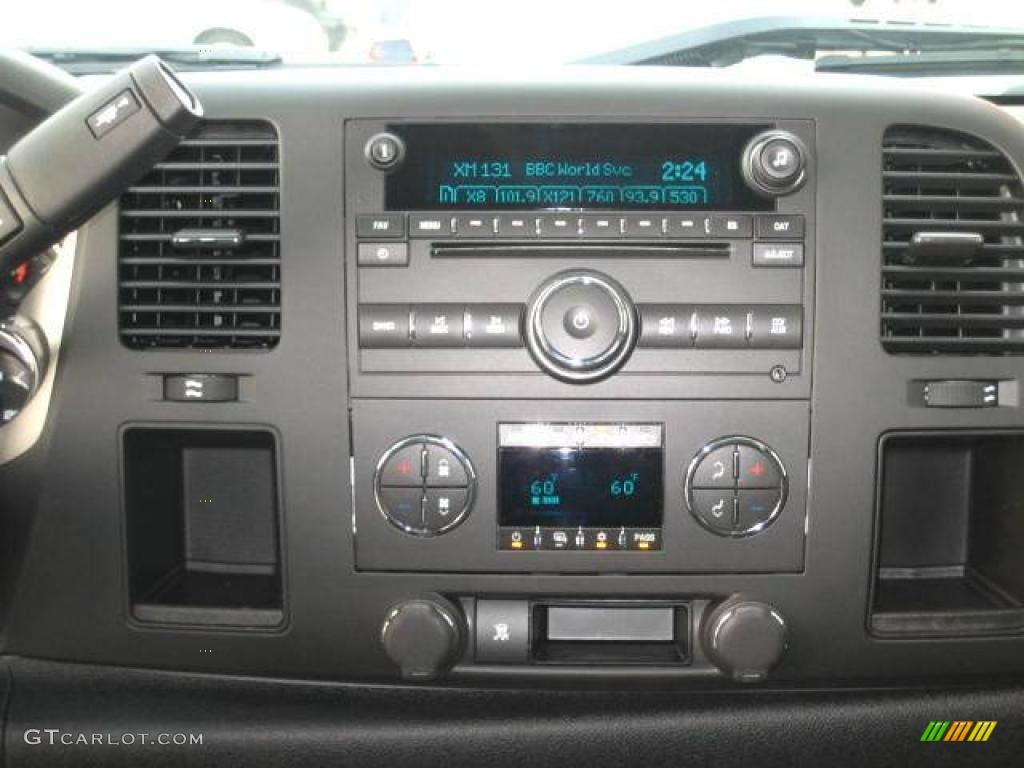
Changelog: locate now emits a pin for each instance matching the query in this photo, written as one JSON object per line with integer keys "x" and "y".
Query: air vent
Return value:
{"x": 953, "y": 254}
{"x": 200, "y": 252}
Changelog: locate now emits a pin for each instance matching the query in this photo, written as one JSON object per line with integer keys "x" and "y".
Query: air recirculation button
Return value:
{"x": 424, "y": 485}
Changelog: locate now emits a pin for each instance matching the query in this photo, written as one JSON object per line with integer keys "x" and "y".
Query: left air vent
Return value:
{"x": 200, "y": 250}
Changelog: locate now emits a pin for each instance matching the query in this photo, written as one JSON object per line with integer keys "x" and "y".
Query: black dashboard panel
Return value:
{"x": 352, "y": 377}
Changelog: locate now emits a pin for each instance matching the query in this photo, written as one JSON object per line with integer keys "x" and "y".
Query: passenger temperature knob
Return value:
{"x": 744, "y": 638}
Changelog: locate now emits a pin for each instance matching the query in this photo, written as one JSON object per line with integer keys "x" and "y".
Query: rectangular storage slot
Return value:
{"x": 951, "y": 535}
{"x": 202, "y": 522}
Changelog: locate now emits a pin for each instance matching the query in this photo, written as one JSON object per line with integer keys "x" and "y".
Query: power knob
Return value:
{"x": 744, "y": 638}
{"x": 424, "y": 636}
{"x": 580, "y": 326}
{"x": 775, "y": 163}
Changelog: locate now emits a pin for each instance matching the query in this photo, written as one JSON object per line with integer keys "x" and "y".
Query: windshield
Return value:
{"x": 520, "y": 33}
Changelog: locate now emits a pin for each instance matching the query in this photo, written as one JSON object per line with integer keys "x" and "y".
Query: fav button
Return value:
{"x": 380, "y": 226}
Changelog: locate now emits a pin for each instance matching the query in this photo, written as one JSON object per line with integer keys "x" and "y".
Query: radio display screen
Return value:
{"x": 571, "y": 475}
{"x": 572, "y": 166}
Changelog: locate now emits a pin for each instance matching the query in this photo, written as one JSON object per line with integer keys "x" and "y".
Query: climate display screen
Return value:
{"x": 594, "y": 476}
{"x": 572, "y": 166}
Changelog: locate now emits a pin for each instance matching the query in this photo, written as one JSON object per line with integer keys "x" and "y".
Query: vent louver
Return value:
{"x": 199, "y": 253}
{"x": 953, "y": 253}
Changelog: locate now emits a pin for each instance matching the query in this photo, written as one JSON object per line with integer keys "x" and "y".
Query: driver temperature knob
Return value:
{"x": 744, "y": 638}
{"x": 580, "y": 326}
{"x": 424, "y": 636}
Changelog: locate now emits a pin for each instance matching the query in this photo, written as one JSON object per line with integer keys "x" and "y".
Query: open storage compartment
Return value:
{"x": 950, "y": 547}
{"x": 202, "y": 517}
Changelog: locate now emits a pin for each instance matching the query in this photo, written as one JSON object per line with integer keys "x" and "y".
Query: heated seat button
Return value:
{"x": 443, "y": 508}
{"x": 717, "y": 469}
{"x": 444, "y": 468}
{"x": 404, "y": 467}
{"x": 716, "y": 509}
{"x": 758, "y": 469}
{"x": 502, "y": 631}
{"x": 403, "y": 507}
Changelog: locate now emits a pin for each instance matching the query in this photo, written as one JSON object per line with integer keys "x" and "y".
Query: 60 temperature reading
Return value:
{"x": 625, "y": 486}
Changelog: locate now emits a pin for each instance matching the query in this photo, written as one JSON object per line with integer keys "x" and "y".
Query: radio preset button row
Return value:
{"x": 652, "y": 226}
{"x": 721, "y": 326}
{"x": 431, "y": 326}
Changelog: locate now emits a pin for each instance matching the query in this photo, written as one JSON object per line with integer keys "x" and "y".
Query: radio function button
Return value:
{"x": 438, "y": 325}
{"x": 424, "y": 485}
{"x": 780, "y": 227}
{"x": 776, "y": 326}
{"x": 598, "y": 225}
{"x": 384, "y": 326}
{"x": 731, "y": 226}
{"x": 736, "y": 486}
{"x": 493, "y": 325}
{"x": 383, "y": 254}
{"x": 721, "y": 327}
{"x": 515, "y": 225}
{"x": 557, "y": 225}
{"x": 384, "y": 226}
{"x": 470, "y": 226}
{"x": 385, "y": 151}
{"x": 666, "y": 326}
{"x": 640, "y": 225}
{"x": 778, "y": 255}
{"x": 430, "y": 225}
{"x": 581, "y": 326}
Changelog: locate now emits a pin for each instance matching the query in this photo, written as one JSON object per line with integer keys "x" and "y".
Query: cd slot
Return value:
{"x": 612, "y": 249}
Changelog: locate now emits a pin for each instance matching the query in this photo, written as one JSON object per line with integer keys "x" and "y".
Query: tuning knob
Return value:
{"x": 744, "y": 638}
{"x": 424, "y": 636}
{"x": 580, "y": 326}
{"x": 775, "y": 163}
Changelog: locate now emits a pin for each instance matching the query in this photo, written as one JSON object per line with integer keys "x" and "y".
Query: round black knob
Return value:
{"x": 580, "y": 326}
{"x": 423, "y": 636}
{"x": 775, "y": 163}
{"x": 385, "y": 151}
{"x": 23, "y": 359}
{"x": 744, "y": 638}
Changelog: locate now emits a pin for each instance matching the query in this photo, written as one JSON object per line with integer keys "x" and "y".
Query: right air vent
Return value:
{"x": 953, "y": 253}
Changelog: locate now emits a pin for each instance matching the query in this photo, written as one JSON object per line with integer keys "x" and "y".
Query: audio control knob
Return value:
{"x": 744, "y": 638}
{"x": 23, "y": 359}
{"x": 775, "y": 163}
{"x": 581, "y": 326}
{"x": 424, "y": 636}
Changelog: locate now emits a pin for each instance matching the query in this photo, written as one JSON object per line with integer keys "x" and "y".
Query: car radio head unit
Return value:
{"x": 580, "y": 486}
{"x": 556, "y": 166}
